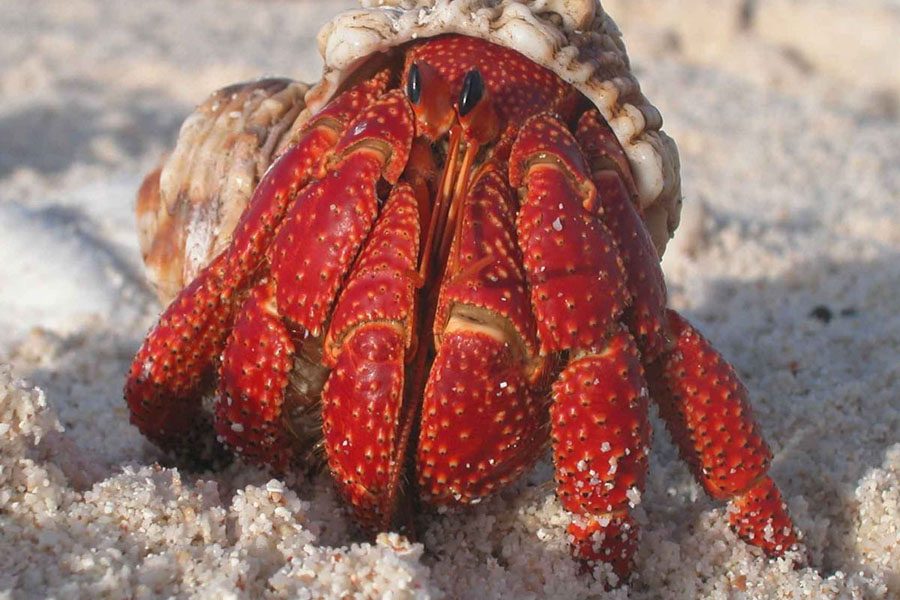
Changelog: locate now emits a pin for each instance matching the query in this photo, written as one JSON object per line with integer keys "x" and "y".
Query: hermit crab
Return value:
{"x": 433, "y": 263}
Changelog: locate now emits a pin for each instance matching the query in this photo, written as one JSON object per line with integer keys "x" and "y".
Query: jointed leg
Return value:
{"x": 173, "y": 367}
{"x": 578, "y": 290}
{"x": 601, "y": 436}
{"x": 705, "y": 407}
{"x": 482, "y": 424}
{"x": 368, "y": 343}
{"x": 701, "y": 399}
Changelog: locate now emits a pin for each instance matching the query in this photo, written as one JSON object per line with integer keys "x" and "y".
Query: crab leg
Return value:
{"x": 599, "y": 421}
{"x": 367, "y": 345}
{"x": 482, "y": 425}
{"x": 338, "y": 211}
{"x": 730, "y": 465}
{"x": 705, "y": 407}
{"x": 646, "y": 315}
{"x": 174, "y": 364}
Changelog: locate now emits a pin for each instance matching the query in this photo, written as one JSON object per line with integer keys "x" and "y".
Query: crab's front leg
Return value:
{"x": 482, "y": 422}
{"x": 175, "y": 364}
{"x": 307, "y": 263}
{"x": 700, "y": 397}
{"x": 367, "y": 346}
{"x": 599, "y": 421}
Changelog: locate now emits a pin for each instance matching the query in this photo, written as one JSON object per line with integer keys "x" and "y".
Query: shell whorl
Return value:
{"x": 574, "y": 38}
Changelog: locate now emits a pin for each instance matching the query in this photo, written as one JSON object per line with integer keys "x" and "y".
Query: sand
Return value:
{"x": 786, "y": 114}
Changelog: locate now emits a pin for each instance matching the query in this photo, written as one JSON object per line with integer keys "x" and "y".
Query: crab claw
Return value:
{"x": 322, "y": 233}
{"x": 482, "y": 424}
{"x": 646, "y": 316}
{"x": 254, "y": 375}
{"x": 577, "y": 279}
{"x": 572, "y": 264}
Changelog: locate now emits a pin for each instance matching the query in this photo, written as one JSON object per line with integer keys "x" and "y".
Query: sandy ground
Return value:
{"x": 786, "y": 114}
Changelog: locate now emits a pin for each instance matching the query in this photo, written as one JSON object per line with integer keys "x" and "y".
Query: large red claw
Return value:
{"x": 254, "y": 374}
{"x": 481, "y": 425}
{"x": 387, "y": 128}
{"x": 646, "y": 317}
{"x": 705, "y": 407}
{"x": 601, "y": 435}
{"x": 295, "y": 168}
{"x": 367, "y": 344}
{"x": 324, "y": 230}
{"x": 544, "y": 139}
{"x": 382, "y": 285}
{"x": 484, "y": 277}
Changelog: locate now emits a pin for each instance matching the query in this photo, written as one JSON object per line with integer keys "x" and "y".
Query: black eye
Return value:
{"x": 413, "y": 84}
{"x": 472, "y": 91}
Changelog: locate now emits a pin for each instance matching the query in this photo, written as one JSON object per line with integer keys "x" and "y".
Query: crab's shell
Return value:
{"x": 191, "y": 216}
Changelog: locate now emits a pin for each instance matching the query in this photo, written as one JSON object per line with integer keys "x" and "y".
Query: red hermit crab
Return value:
{"x": 433, "y": 263}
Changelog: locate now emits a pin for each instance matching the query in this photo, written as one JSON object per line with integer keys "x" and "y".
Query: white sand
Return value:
{"x": 791, "y": 164}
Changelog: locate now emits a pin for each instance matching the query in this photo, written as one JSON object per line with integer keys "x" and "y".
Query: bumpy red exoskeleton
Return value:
{"x": 452, "y": 248}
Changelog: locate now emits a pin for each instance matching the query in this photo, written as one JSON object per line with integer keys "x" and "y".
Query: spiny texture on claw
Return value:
{"x": 601, "y": 436}
{"x": 361, "y": 406}
{"x": 299, "y": 165}
{"x": 255, "y": 366}
{"x": 368, "y": 340}
{"x": 171, "y": 369}
{"x": 612, "y": 539}
{"x": 485, "y": 269}
{"x": 545, "y": 139}
{"x": 760, "y": 517}
{"x": 381, "y": 286}
{"x": 481, "y": 424}
{"x": 599, "y": 418}
{"x": 173, "y": 366}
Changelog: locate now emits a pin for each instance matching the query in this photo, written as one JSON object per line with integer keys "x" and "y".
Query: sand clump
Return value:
{"x": 145, "y": 533}
{"x": 788, "y": 259}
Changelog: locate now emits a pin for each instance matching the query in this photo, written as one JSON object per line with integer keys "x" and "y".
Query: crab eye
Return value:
{"x": 472, "y": 91}
{"x": 414, "y": 84}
